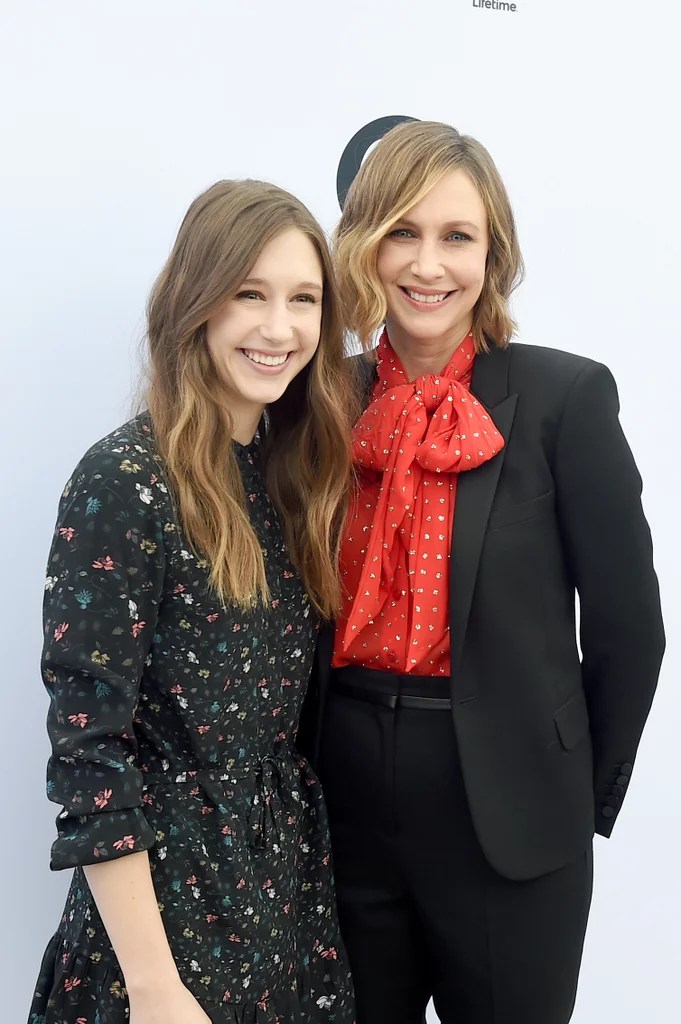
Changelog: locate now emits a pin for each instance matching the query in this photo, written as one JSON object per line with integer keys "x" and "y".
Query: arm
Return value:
{"x": 105, "y": 581}
{"x": 609, "y": 553}
{"x": 126, "y": 901}
{"x": 104, "y": 585}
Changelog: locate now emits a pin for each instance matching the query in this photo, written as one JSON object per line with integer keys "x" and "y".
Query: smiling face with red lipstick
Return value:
{"x": 431, "y": 266}
{"x": 427, "y": 245}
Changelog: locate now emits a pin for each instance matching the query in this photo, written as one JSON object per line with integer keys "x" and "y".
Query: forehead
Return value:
{"x": 454, "y": 198}
{"x": 291, "y": 254}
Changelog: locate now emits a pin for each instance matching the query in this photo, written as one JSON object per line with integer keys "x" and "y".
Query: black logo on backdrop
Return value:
{"x": 355, "y": 151}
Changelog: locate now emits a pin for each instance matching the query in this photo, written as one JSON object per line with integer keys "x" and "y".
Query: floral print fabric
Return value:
{"x": 173, "y": 725}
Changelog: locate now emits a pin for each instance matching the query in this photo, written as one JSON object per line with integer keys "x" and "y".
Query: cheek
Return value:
{"x": 386, "y": 266}
{"x": 312, "y": 335}
{"x": 473, "y": 273}
{"x": 220, "y": 330}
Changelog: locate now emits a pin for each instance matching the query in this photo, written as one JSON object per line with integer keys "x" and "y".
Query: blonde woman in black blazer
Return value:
{"x": 463, "y": 800}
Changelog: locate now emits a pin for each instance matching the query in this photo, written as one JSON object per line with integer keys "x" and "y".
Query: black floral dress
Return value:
{"x": 173, "y": 724}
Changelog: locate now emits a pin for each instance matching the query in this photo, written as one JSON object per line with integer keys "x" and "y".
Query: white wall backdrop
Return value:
{"x": 114, "y": 115}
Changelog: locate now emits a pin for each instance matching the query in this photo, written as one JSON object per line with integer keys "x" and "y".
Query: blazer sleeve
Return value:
{"x": 105, "y": 578}
{"x": 609, "y": 550}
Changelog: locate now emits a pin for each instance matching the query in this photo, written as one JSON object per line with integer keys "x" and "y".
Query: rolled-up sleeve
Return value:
{"x": 104, "y": 584}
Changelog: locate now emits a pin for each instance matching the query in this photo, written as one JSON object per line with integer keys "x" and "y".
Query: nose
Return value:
{"x": 277, "y": 327}
{"x": 426, "y": 264}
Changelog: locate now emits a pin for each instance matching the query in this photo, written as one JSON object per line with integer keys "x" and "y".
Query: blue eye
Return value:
{"x": 400, "y": 233}
{"x": 458, "y": 236}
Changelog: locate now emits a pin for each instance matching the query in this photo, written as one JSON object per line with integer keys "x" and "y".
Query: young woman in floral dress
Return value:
{"x": 194, "y": 552}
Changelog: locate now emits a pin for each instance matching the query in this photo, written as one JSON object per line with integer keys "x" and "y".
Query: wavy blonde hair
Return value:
{"x": 403, "y": 167}
{"x": 306, "y": 451}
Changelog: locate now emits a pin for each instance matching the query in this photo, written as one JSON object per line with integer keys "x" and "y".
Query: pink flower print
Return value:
{"x": 71, "y": 983}
{"x": 137, "y": 628}
{"x": 102, "y": 799}
{"x": 234, "y": 937}
{"x": 329, "y": 954}
{"x": 288, "y": 575}
{"x": 236, "y": 627}
{"x": 179, "y": 588}
{"x": 105, "y": 563}
{"x": 207, "y": 810}
{"x": 202, "y": 729}
{"x": 287, "y": 908}
{"x": 241, "y": 884}
{"x": 60, "y": 630}
{"x": 192, "y": 880}
{"x": 67, "y": 532}
{"x": 176, "y": 688}
{"x": 252, "y": 497}
{"x": 212, "y": 917}
{"x": 226, "y": 830}
{"x": 126, "y": 843}
{"x": 325, "y": 861}
{"x": 212, "y": 617}
{"x": 262, "y": 1003}
{"x": 153, "y": 480}
{"x": 267, "y": 884}
{"x": 80, "y": 719}
{"x": 81, "y": 1020}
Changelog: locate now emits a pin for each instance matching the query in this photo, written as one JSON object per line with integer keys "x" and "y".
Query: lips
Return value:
{"x": 425, "y": 300}
{"x": 264, "y": 359}
{"x": 429, "y": 297}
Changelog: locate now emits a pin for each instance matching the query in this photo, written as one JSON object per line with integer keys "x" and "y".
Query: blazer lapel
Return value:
{"x": 474, "y": 497}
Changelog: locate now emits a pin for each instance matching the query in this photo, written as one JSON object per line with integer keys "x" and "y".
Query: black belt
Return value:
{"x": 390, "y": 700}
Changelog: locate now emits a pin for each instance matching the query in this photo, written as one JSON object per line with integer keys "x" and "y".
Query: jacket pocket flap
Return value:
{"x": 572, "y": 720}
{"x": 519, "y": 513}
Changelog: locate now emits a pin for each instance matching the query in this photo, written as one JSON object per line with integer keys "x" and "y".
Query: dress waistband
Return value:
{"x": 276, "y": 780}
{"x": 392, "y": 690}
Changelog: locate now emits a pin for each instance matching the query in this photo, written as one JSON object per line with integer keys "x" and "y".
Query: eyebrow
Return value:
{"x": 450, "y": 225}
{"x": 312, "y": 286}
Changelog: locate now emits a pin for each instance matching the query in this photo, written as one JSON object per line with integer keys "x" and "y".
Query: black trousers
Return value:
{"x": 422, "y": 912}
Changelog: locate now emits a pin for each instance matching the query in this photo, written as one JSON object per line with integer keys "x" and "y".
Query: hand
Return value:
{"x": 172, "y": 1004}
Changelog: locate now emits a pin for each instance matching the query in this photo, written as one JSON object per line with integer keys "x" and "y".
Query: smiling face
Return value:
{"x": 261, "y": 337}
{"x": 431, "y": 265}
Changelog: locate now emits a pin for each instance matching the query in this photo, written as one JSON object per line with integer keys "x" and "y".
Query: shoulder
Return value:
{"x": 124, "y": 464}
{"x": 552, "y": 362}
{"x": 553, "y": 374}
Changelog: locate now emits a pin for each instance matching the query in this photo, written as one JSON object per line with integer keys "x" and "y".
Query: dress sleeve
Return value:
{"x": 104, "y": 584}
{"x": 609, "y": 550}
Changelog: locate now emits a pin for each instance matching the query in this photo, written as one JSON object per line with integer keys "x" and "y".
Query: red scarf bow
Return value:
{"x": 411, "y": 431}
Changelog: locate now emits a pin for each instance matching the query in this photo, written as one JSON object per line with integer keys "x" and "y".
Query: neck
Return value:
{"x": 244, "y": 424}
{"x": 431, "y": 356}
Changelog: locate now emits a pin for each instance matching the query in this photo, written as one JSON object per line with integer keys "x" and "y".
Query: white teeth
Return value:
{"x": 418, "y": 297}
{"x": 258, "y": 357}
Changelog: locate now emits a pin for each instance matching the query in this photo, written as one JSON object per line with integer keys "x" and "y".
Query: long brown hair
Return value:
{"x": 306, "y": 450}
{"x": 403, "y": 167}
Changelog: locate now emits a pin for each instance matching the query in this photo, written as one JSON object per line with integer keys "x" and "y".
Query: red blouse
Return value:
{"x": 409, "y": 447}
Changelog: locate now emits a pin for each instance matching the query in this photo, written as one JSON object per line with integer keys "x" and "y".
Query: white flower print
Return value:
{"x": 145, "y": 494}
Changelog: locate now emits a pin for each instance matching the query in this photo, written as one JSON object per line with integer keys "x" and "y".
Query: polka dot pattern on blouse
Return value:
{"x": 410, "y": 445}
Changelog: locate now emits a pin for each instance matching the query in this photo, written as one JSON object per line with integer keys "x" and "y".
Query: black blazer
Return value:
{"x": 547, "y": 738}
